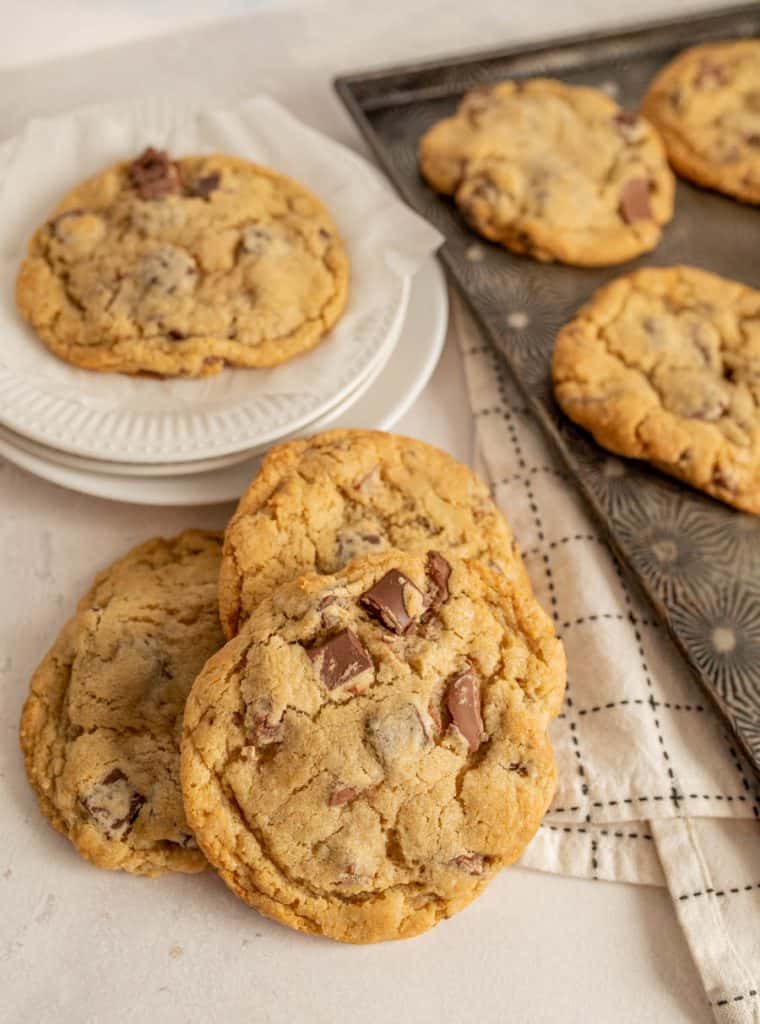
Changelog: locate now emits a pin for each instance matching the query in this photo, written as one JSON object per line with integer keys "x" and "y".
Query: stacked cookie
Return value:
{"x": 368, "y": 748}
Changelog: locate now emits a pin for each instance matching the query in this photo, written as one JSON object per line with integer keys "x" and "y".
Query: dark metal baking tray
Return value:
{"x": 697, "y": 560}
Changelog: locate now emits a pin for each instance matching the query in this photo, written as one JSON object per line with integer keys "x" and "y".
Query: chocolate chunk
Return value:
{"x": 113, "y": 805}
{"x": 634, "y": 201}
{"x": 753, "y": 139}
{"x": 340, "y": 658}
{"x": 255, "y": 240}
{"x": 463, "y": 702}
{"x": 472, "y": 863}
{"x": 203, "y": 187}
{"x": 342, "y": 795}
{"x": 264, "y": 731}
{"x": 153, "y": 175}
{"x": 353, "y": 541}
{"x": 395, "y": 601}
{"x": 629, "y": 126}
{"x": 438, "y": 571}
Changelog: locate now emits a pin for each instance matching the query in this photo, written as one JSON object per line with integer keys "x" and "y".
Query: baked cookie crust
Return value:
{"x": 706, "y": 106}
{"x": 553, "y": 171}
{"x": 664, "y": 365}
{"x": 182, "y": 267}
{"x": 371, "y": 749}
{"x": 316, "y": 504}
{"x": 100, "y": 729}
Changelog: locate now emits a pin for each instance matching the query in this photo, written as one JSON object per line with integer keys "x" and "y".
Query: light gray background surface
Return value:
{"x": 81, "y": 945}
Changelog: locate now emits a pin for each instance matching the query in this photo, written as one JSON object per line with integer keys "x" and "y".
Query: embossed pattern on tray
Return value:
{"x": 697, "y": 560}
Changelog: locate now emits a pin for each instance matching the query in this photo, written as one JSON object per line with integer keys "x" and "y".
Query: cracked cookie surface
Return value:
{"x": 371, "y": 749}
{"x": 554, "y": 171}
{"x": 664, "y": 365}
{"x": 180, "y": 267}
{"x": 101, "y": 727}
{"x": 706, "y": 106}
{"x": 318, "y": 503}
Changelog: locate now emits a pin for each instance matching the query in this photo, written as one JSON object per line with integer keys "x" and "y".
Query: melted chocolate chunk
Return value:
{"x": 113, "y": 805}
{"x": 438, "y": 571}
{"x": 392, "y": 600}
{"x": 340, "y": 659}
{"x": 463, "y": 703}
{"x": 472, "y": 863}
{"x": 634, "y": 201}
{"x": 154, "y": 175}
{"x": 342, "y": 795}
{"x": 203, "y": 187}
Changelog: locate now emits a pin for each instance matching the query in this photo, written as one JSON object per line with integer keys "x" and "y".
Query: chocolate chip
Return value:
{"x": 710, "y": 75}
{"x": 438, "y": 571}
{"x": 154, "y": 175}
{"x": 176, "y": 335}
{"x": 342, "y": 795}
{"x": 203, "y": 187}
{"x": 472, "y": 863}
{"x": 634, "y": 201}
{"x": 463, "y": 702}
{"x": 394, "y": 600}
{"x": 113, "y": 805}
{"x": 255, "y": 239}
{"x": 340, "y": 659}
{"x": 355, "y": 541}
{"x": 519, "y": 767}
{"x": 752, "y": 139}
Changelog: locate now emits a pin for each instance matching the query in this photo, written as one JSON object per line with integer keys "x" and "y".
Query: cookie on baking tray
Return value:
{"x": 664, "y": 365}
{"x": 180, "y": 267}
{"x": 101, "y": 726}
{"x": 557, "y": 172}
{"x": 706, "y": 106}
{"x": 318, "y": 503}
{"x": 371, "y": 748}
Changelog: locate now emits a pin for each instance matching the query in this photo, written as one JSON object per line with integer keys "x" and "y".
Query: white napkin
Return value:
{"x": 115, "y": 416}
{"x": 651, "y": 789}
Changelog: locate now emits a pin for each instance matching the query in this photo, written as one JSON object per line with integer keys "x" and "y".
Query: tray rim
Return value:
{"x": 697, "y": 20}
{"x": 344, "y": 85}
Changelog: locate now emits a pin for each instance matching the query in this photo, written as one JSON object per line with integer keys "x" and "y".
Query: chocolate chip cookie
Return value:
{"x": 318, "y": 503}
{"x": 180, "y": 267}
{"x": 371, "y": 749}
{"x": 554, "y": 171}
{"x": 664, "y": 365}
{"x": 101, "y": 727}
{"x": 706, "y": 105}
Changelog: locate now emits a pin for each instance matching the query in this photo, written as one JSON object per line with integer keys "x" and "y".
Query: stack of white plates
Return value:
{"x": 199, "y": 442}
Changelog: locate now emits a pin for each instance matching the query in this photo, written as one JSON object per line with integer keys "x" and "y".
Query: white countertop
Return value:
{"x": 183, "y": 949}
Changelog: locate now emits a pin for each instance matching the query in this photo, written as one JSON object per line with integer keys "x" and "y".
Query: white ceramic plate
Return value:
{"x": 149, "y": 469}
{"x": 396, "y": 388}
{"x": 115, "y": 417}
